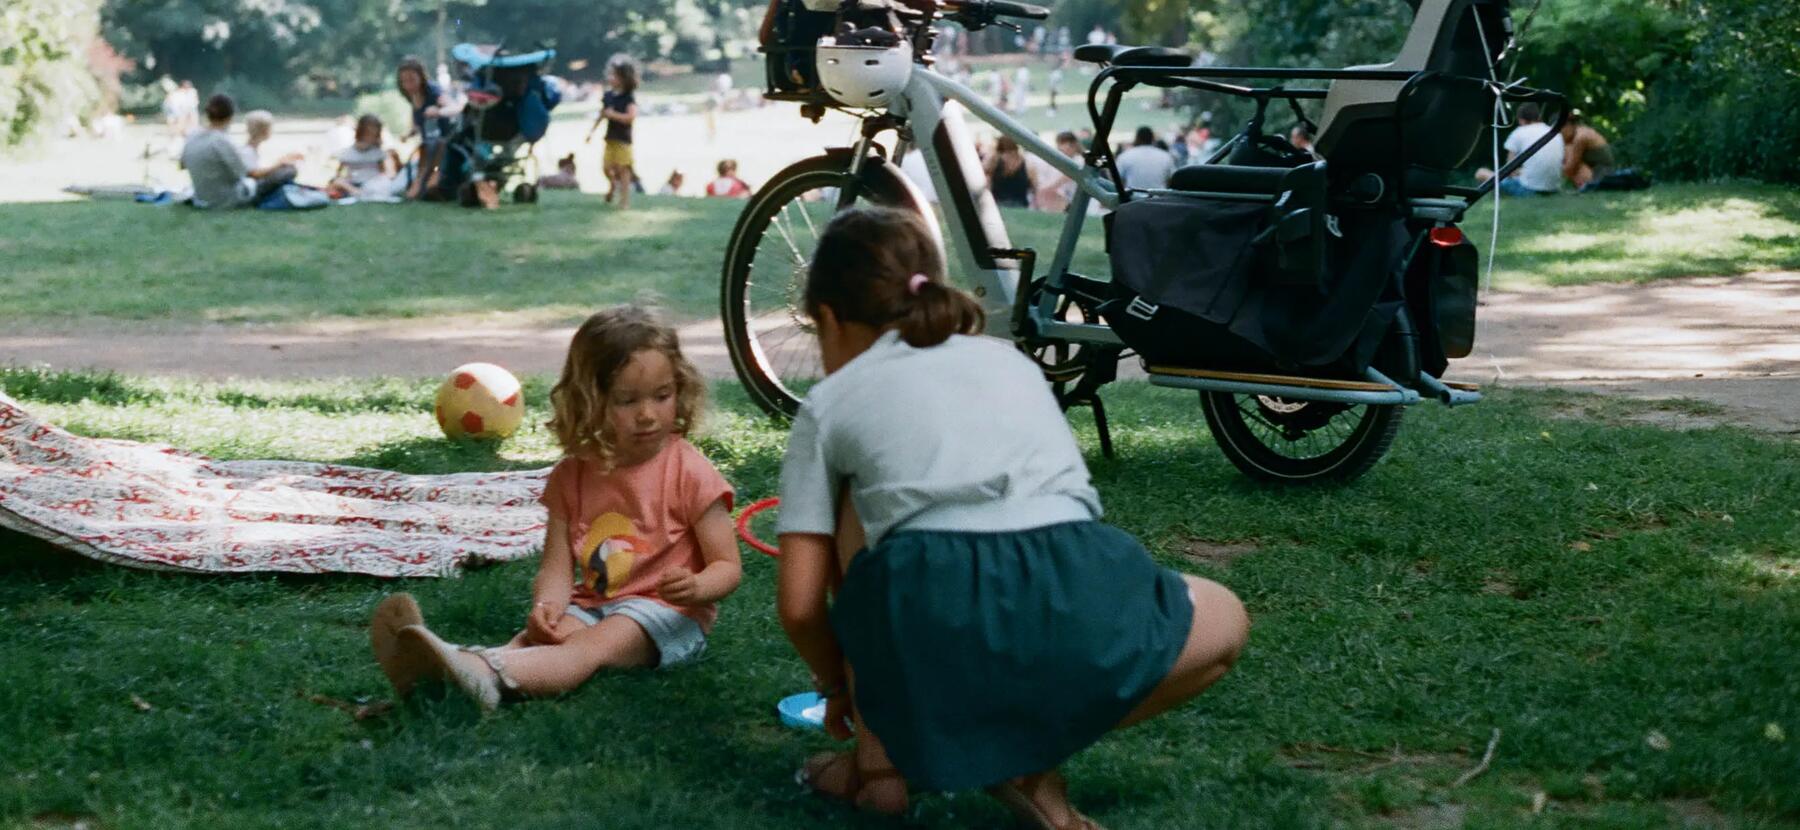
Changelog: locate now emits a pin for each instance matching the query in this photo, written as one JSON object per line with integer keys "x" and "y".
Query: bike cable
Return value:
{"x": 1499, "y": 123}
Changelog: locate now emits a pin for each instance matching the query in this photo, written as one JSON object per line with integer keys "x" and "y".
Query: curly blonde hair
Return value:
{"x": 600, "y": 348}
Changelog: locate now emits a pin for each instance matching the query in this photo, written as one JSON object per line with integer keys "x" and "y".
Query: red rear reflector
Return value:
{"x": 1447, "y": 237}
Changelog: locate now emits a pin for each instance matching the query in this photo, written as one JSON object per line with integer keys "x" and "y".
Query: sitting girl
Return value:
{"x": 633, "y": 506}
{"x": 986, "y": 626}
{"x": 365, "y": 169}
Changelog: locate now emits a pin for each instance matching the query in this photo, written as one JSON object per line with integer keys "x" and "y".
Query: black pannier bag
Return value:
{"x": 1442, "y": 286}
{"x": 1238, "y": 285}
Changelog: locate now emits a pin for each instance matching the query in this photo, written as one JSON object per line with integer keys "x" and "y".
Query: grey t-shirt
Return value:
{"x": 220, "y": 178}
{"x": 1146, "y": 167}
{"x": 962, "y": 436}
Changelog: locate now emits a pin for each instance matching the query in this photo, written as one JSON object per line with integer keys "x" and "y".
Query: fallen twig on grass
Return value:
{"x": 355, "y": 711}
{"x": 1315, "y": 747}
{"x": 1486, "y": 758}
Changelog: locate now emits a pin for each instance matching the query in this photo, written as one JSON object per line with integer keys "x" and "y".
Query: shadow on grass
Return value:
{"x": 68, "y": 387}
{"x": 432, "y": 456}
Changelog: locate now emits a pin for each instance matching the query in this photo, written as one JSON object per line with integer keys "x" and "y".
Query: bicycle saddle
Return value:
{"x": 1119, "y": 55}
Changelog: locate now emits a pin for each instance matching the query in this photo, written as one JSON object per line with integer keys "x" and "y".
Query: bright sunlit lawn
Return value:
{"x": 569, "y": 254}
{"x": 1620, "y": 602}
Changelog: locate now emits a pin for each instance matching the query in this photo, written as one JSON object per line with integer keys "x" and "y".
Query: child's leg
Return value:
{"x": 622, "y": 185}
{"x": 545, "y": 671}
{"x": 883, "y": 789}
{"x": 1216, "y": 636}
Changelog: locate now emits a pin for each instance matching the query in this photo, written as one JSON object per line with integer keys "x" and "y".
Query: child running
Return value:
{"x": 618, "y": 108}
{"x": 634, "y": 509}
{"x": 986, "y": 625}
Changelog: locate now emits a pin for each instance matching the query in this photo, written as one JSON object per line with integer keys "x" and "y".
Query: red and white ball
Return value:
{"x": 480, "y": 400}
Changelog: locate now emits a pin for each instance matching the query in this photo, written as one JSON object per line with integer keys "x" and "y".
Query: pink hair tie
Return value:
{"x": 914, "y": 285}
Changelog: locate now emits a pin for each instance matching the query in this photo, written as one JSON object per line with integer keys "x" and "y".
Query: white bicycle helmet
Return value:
{"x": 863, "y": 76}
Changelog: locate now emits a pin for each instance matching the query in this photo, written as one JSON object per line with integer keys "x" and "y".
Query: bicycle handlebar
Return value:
{"x": 1006, "y": 8}
{"x": 985, "y": 11}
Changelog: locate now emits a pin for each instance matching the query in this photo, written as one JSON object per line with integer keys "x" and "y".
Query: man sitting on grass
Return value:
{"x": 221, "y": 179}
{"x": 1540, "y": 175}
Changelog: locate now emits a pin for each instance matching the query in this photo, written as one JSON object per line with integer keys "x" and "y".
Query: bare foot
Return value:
{"x": 832, "y": 775}
{"x": 1042, "y": 801}
{"x": 883, "y": 791}
{"x": 840, "y": 777}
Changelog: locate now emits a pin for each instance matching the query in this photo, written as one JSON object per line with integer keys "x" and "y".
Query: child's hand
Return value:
{"x": 680, "y": 586}
{"x": 837, "y": 716}
{"x": 540, "y": 627}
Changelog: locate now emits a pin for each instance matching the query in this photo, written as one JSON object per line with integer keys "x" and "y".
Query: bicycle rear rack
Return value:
{"x": 1377, "y": 390}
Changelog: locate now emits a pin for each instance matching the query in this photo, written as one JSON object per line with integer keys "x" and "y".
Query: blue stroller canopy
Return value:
{"x": 478, "y": 57}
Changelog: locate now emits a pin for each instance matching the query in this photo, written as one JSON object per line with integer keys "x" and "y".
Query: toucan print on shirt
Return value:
{"x": 610, "y": 547}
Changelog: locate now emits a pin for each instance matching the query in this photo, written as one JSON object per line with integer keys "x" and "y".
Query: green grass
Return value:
{"x": 1536, "y": 565}
{"x": 561, "y": 259}
{"x": 564, "y": 257}
{"x": 1671, "y": 230}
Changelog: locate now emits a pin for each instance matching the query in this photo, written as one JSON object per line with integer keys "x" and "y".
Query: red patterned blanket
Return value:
{"x": 158, "y": 507}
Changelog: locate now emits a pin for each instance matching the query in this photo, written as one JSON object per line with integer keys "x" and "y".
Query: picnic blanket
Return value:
{"x": 151, "y": 506}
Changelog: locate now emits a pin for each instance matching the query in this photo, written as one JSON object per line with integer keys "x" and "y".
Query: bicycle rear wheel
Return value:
{"x": 1299, "y": 442}
{"x": 773, "y": 344}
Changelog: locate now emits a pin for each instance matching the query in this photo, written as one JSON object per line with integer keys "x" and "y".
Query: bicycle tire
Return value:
{"x": 1368, "y": 440}
{"x": 879, "y": 183}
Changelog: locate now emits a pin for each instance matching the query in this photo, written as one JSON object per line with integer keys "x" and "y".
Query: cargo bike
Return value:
{"x": 1307, "y": 297}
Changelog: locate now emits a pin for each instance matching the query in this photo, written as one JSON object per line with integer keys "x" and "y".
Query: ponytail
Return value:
{"x": 938, "y": 311}
{"x": 883, "y": 267}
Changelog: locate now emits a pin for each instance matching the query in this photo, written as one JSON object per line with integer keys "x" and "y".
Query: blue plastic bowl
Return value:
{"x": 794, "y": 711}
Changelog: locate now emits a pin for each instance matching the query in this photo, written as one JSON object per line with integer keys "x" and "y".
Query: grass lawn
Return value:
{"x": 569, "y": 255}
{"x": 1620, "y": 601}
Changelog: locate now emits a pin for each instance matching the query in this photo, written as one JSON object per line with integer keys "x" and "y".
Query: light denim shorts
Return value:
{"x": 678, "y": 638}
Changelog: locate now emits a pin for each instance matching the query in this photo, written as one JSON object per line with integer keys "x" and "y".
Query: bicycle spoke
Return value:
{"x": 781, "y": 226}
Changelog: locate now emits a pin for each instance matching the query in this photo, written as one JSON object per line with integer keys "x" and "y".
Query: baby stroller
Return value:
{"x": 508, "y": 110}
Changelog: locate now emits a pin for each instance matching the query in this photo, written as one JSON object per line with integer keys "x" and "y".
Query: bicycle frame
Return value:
{"x": 977, "y": 234}
{"x": 931, "y": 106}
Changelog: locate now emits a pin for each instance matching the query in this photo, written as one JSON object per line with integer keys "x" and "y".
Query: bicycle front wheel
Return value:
{"x": 773, "y": 344}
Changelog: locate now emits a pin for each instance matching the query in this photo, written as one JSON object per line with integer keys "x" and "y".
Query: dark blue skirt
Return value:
{"x": 981, "y": 657}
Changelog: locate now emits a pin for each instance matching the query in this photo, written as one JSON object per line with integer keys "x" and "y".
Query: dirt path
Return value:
{"x": 1733, "y": 341}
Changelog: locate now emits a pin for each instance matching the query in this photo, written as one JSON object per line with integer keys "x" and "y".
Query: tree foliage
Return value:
{"x": 44, "y": 76}
{"x": 278, "y": 49}
{"x": 1686, "y": 88}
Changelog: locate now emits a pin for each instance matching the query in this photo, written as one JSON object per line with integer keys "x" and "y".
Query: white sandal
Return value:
{"x": 483, "y": 685}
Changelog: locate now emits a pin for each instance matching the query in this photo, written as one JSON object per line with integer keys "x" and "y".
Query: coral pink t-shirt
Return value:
{"x": 630, "y": 525}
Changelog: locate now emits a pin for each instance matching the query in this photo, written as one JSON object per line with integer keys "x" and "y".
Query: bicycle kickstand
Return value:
{"x": 1087, "y": 393}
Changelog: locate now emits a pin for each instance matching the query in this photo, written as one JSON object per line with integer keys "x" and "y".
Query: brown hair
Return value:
{"x": 220, "y": 107}
{"x": 864, "y": 267}
{"x": 369, "y": 122}
{"x": 628, "y": 79}
{"x": 414, "y": 65}
{"x": 599, "y": 350}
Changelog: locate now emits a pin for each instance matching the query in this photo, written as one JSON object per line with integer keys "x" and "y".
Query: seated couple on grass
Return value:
{"x": 943, "y": 572}
{"x": 1578, "y": 153}
{"x": 224, "y": 176}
